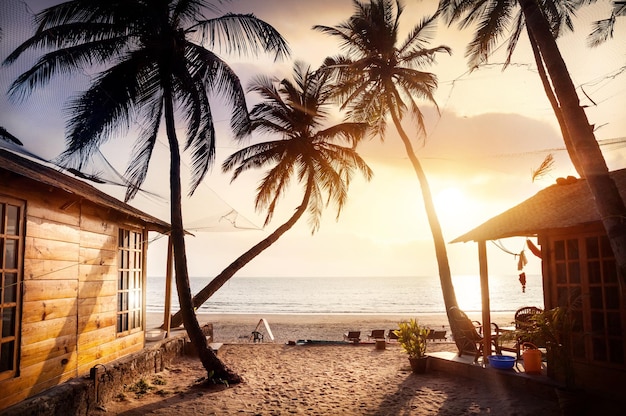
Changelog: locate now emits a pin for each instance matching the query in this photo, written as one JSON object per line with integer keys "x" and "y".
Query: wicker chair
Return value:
{"x": 524, "y": 320}
{"x": 523, "y": 316}
{"x": 468, "y": 334}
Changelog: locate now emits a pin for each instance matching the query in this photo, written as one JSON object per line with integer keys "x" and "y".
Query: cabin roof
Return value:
{"x": 28, "y": 168}
{"x": 557, "y": 206}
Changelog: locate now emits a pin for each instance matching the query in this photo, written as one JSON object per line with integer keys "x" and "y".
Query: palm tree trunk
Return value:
{"x": 445, "y": 277}
{"x": 219, "y": 281}
{"x": 555, "y": 104}
{"x": 608, "y": 200}
{"x": 214, "y": 367}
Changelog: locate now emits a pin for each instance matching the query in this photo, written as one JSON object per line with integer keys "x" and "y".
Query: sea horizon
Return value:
{"x": 352, "y": 295}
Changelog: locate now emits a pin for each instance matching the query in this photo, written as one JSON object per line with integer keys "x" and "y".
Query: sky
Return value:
{"x": 493, "y": 128}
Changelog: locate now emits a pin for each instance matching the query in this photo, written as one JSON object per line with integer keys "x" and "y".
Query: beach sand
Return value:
{"x": 281, "y": 379}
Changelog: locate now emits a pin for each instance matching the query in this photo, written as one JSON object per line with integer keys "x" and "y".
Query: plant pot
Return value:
{"x": 418, "y": 365}
{"x": 532, "y": 358}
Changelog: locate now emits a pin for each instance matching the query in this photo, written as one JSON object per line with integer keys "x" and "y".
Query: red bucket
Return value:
{"x": 532, "y": 358}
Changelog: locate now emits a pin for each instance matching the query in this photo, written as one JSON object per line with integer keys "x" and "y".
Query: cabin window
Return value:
{"x": 586, "y": 282}
{"x": 130, "y": 282}
{"x": 11, "y": 246}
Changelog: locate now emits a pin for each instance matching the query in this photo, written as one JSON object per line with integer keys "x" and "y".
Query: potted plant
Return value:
{"x": 412, "y": 337}
{"x": 552, "y": 329}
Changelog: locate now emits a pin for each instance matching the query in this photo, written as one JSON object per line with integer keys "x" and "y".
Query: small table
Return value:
{"x": 515, "y": 348}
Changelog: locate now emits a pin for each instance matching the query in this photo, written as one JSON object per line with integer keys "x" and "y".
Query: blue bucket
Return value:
{"x": 502, "y": 362}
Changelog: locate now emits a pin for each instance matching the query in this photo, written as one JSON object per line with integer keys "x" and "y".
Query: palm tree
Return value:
{"x": 156, "y": 63}
{"x": 559, "y": 14}
{"x": 295, "y": 111}
{"x": 378, "y": 76}
{"x": 493, "y": 18}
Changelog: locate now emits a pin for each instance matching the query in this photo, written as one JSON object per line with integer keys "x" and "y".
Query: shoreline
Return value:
{"x": 237, "y": 327}
{"x": 155, "y": 319}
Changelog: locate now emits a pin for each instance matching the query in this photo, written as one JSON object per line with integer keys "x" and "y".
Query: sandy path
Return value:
{"x": 324, "y": 380}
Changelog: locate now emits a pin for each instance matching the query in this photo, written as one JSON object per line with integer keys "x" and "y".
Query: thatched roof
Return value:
{"x": 25, "y": 167}
{"x": 557, "y": 206}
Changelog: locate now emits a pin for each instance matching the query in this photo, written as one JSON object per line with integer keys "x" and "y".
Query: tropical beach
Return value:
{"x": 253, "y": 128}
{"x": 320, "y": 379}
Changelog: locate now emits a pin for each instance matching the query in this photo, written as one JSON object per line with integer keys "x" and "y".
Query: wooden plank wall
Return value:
{"x": 69, "y": 291}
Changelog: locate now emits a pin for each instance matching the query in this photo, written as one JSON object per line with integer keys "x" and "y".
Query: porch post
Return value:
{"x": 167, "y": 319}
{"x": 484, "y": 291}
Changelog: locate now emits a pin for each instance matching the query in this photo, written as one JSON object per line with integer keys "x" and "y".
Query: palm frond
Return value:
{"x": 63, "y": 61}
{"x": 242, "y": 34}
{"x": 603, "y": 29}
{"x": 273, "y": 185}
{"x": 546, "y": 166}
{"x": 491, "y": 27}
{"x": 142, "y": 152}
{"x": 453, "y": 10}
{"x": 5, "y": 135}
{"x": 350, "y": 132}
{"x": 106, "y": 107}
{"x": 253, "y": 156}
{"x": 518, "y": 28}
{"x": 417, "y": 58}
{"x": 216, "y": 76}
{"x": 420, "y": 35}
{"x": 68, "y": 35}
{"x": 202, "y": 146}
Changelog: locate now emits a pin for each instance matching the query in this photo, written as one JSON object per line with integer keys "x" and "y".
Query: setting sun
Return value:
{"x": 449, "y": 199}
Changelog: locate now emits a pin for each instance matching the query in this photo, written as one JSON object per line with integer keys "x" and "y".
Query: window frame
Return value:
{"x": 130, "y": 293}
{"x": 19, "y": 236}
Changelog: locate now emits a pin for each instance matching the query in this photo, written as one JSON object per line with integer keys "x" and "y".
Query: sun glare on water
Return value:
{"x": 467, "y": 289}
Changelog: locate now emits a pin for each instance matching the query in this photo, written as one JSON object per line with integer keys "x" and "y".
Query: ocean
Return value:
{"x": 351, "y": 295}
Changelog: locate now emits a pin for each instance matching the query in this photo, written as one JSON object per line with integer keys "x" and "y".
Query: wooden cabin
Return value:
{"x": 579, "y": 272}
{"x": 72, "y": 277}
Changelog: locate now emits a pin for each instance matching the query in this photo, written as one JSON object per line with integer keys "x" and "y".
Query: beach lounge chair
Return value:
{"x": 436, "y": 335}
{"x": 352, "y": 336}
{"x": 468, "y": 334}
{"x": 391, "y": 336}
{"x": 377, "y": 334}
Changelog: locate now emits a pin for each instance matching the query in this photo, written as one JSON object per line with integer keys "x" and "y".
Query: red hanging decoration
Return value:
{"x": 522, "y": 280}
{"x": 533, "y": 248}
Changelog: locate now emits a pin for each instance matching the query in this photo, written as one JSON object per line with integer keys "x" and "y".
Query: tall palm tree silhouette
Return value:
{"x": 158, "y": 58}
{"x": 307, "y": 151}
{"x": 380, "y": 76}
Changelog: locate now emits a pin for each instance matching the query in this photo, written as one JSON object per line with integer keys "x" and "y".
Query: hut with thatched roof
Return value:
{"x": 579, "y": 273}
